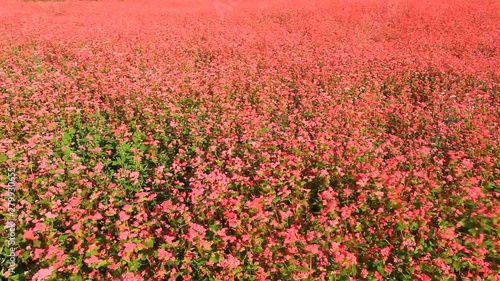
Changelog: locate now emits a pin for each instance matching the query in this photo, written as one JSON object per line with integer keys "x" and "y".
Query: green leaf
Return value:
{"x": 236, "y": 271}
{"x": 136, "y": 137}
{"x": 76, "y": 278}
{"x": 149, "y": 243}
{"x": 414, "y": 226}
{"x": 400, "y": 226}
{"x": 380, "y": 269}
{"x": 102, "y": 264}
{"x": 91, "y": 253}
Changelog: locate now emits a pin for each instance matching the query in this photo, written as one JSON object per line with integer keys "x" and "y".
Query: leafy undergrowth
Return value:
{"x": 317, "y": 140}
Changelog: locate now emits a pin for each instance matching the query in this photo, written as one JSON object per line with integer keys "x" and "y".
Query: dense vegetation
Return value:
{"x": 278, "y": 140}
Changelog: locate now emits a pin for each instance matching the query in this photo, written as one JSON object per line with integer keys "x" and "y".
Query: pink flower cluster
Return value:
{"x": 285, "y": 140}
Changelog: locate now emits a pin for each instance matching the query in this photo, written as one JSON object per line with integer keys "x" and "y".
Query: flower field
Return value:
{"x": 250, "y": 140}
